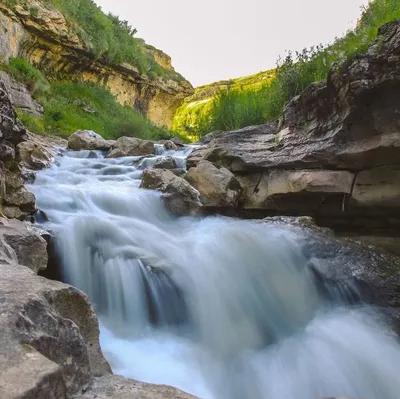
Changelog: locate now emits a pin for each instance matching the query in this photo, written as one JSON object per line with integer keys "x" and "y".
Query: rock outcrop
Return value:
{"x": 335, "y": 153}
{"x": 44, "y": 38}
{"x": 131, "y": 146}
{"x": 343, "y": 266}
{"x": 15, "y": 200}
{"x": 20, "y": 96}
{"x": 179, "y": 196}
{"x": 218, "y": 187}
{"x": 88, "y": 140}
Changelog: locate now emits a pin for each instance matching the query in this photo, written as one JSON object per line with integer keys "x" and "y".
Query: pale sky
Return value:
{"x": 211, "y": 40}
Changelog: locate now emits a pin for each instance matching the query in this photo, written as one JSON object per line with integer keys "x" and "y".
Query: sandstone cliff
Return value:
{"x": 46, "y": 39}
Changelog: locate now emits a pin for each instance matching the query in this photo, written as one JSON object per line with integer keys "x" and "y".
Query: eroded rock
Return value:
{"x": 165, "y": 163}
{"x": 131, "y": 146}
{"x": 88, "y": 140}
{"x": 217, "y": 187}
{"x": 179, "y": 196}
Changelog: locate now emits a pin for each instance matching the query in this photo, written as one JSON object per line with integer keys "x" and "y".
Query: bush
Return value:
{"x": 24, "y": 72}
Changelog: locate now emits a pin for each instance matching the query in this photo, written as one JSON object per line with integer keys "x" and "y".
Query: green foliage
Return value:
{"x": 108, "y": 38}
{"x": 70, "y": 106}
{"x": 24, "y": 72}
{"x": 234, "y": 108}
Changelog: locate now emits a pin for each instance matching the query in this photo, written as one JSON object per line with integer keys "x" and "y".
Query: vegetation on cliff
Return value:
{"x": 235, "y": 107}
{"x": 70, "y": 106}
{"x": 105, "y": 36}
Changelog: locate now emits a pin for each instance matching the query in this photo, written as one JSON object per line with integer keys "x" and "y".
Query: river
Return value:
{"x": 218, "y": 307}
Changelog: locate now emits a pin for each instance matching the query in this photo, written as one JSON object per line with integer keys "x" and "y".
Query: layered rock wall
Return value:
{"x": 335, "y": 153}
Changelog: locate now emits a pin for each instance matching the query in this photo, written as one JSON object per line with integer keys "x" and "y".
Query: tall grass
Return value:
{"x": 70, "y": 106}
{"x": 235, "y": 108}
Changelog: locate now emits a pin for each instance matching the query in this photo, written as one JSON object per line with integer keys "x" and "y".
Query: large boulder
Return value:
{"x": 15, "y": 200}
{"x": 179, "y": 196}
{"x": 39, "y": 152}
{"x": 22, "y": 245}
{"x": 217, "y": 187}
{"x": 131, "y": 146}
{"x": 88, "y": 140}
{"x": 166, "y": 162}
{"x": 116, "y": 387}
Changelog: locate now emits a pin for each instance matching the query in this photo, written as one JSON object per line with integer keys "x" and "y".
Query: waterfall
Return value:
{"x": 219, "y": 307}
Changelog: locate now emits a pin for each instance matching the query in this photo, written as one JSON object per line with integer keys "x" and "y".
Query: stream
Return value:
{"x": 217, "y": 307}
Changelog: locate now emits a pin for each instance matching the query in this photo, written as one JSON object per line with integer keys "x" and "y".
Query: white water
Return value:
{"x": 218, "y": 307}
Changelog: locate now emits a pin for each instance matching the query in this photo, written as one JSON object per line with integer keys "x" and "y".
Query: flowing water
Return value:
{"x": 218, "y": 307}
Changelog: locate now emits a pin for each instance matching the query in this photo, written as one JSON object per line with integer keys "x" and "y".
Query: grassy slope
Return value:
{"x": 193, "y": 116}
{"x": 70, "y": 106}
{"x": 237, "y": 107}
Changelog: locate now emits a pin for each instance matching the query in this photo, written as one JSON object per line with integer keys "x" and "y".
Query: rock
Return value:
{"x": 11, "y": 129}
{"x": 22, "y": 244}
{"x": 116, "y": 387}
{"x": 22, "y": 198}
{"x": 299, "y": 191}
{"x": 372, "y": 273}
{"x": 378, "y": 187}
{"x": 165, "y": 163}
{"x": 20, "y": 96}
{"x": 88, "y": 140}
{"x": 131, "y": 146}
{"x": 42, "y": 339}
{"x": 217, "y": 187}
{"x": 39, "y": 152}
{"x": 179, "y": 196}
{"x": 170, "y": 145}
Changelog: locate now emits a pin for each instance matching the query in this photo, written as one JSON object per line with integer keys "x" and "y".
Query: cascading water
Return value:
{"x": 218, "y": 307}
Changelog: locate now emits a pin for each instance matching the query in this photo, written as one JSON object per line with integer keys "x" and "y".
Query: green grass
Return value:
{"x": 70, "y": 106}
{"x": 237, "y": 107}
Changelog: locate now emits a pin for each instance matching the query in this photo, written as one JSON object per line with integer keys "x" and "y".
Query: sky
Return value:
{"x": 211, "y": 40}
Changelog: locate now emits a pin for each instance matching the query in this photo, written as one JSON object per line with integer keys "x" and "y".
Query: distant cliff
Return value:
{"x": 44, "y": 36}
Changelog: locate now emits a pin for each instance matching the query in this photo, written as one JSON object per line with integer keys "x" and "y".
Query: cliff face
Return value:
{"x": 41, "y": 34}
{"x": 335, "y": 154}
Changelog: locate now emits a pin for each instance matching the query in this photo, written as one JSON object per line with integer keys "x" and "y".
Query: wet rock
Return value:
{"x": 131, "y": 146}
{"x": 88, "y": 140}
{"x": 179, "y": 196}
{"x": 373, "y": 273}
{"x": 165, "y": 163}
{"x": 34, "y": 156}
{"x": 22, "y": 244}
{"x": 116, "y": 387}
{"x": 217, "y": 187}
{"x": 170, "y": 145}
